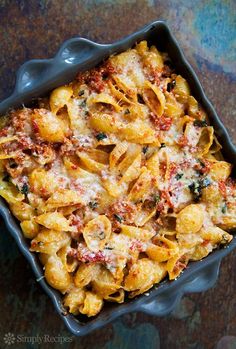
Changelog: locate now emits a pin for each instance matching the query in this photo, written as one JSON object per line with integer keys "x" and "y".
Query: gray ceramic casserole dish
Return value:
{"x": 37, "y": 77}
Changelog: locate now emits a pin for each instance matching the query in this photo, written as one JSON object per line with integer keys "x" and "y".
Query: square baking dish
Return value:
{"x": 35, "y": 79}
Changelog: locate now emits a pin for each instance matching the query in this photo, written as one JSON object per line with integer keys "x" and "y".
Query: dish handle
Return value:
{"x": 166, "y": 302}
{"x": 35, "y": 76}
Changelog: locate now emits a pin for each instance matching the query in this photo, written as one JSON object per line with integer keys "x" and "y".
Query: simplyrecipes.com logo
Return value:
{"x": 10, "y": 339}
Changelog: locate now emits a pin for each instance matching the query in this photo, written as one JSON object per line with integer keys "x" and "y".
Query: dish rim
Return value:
{"x": 194, "y": 277}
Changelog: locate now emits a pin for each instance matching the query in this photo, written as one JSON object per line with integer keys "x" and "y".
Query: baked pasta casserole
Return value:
{"x": 117, "y": 179}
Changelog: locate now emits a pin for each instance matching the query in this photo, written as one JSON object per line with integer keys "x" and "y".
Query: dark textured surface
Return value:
{"x": 206, "y": 31}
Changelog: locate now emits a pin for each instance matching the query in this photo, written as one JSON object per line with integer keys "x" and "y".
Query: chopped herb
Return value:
{"x": 171, "y": 85}
{"x": 83, "y": 104}
{"x": 6, "y": 178}
{"x": 101, "y": 235}
{"x": 93, "y": 205}
{"x": 108, "y": 248}
{"x": 25, "y": 189}
{"x": 118, "y": 218}
{"x": 156, "y": 198}
{"x": 100, "y": 136}
{"x": 224, "y": 208}
{"x": 196, "y": 188}
{"x": 145, "y": 149}
{"x": 178, "y": 176}
{"x": 162, "y": 145}
{"x": 205, "y": 182}
{"x": 86, "y": 113}
{"x": 127, "y": 111}
{"x": 81, "y": 93}
{"x": 201, "y": 163}
{"x": 200, "y": 123}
